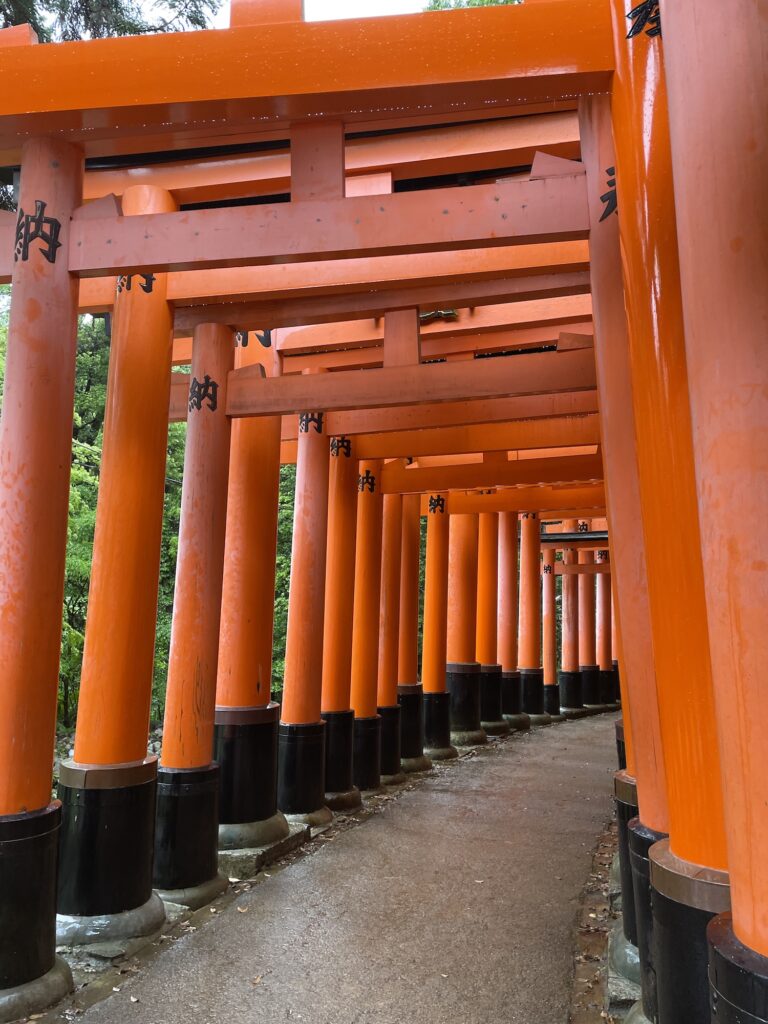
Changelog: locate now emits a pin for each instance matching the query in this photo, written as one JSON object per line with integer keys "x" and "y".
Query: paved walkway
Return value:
{"x": 455, "y": 905}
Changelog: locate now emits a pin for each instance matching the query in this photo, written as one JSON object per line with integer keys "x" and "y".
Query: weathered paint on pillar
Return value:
{"x": 664, "y": 446}
{"x": 389, "y": 605}
{"x": 716, "y": 77}
{"x": 637, "y": 674}
{"x": 35, "y": 446}
{"x": 508, "y": 589}
{"x": 365, "y": 630}
{"x": 434, "y": 652}
{"x": 340, "y": 575}
{"x": 118, "y": 658}
{"x": 462, "y": 589}
{"x": 529, "y": 636}
{"x": 190, "y": 698}
{"x": 487, "y": 588}
{"x": 306, "y": 601}
{"x": 408, "y": 651}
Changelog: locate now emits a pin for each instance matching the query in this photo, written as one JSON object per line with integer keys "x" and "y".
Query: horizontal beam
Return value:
{"x": 108, "y": 91}
{"x": 519, "y": 212}
{"x": 583, "y": 569}
{"x": 398, "y": 479}
{"x": 590, "y": 499}
{"x": 327, "y": 309}
{"x": 249, "y": 394}
{"x": 433, "y": 151}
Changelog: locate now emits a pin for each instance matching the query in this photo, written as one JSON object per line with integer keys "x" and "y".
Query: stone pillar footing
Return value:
{"x": 414, "y": 765}
{"x": 315, "y": 819}
{"x": 116, "y": 931}
{"x": 198, "y": 895}
{"x": 245, "y": 835}
{"x": 21, "y": 1001}
{"x": 518, "y": 723}
{"x": 738, "y": 976}
{"x": 351, "y": 800}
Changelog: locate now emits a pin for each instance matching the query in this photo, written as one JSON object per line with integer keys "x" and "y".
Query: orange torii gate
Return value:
{"x": 682, "y": 468}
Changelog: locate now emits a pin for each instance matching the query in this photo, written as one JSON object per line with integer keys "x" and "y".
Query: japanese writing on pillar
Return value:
{"x": 436, "y": 503}
{"x": 32, "y": 227}
{"x": 341, "y": 446}
{"x": 645, "y": 17}
{"x": 583, "y": 527}
{"x": 125, "y": 282}
{"x": 205, "y": 392}
{"x": 601, "y": 556}
{"x": 307, "y": 419}
{"x": 608, "y": 198}
{"x": 368, "y": 480}
{"x": 529, "y": 515}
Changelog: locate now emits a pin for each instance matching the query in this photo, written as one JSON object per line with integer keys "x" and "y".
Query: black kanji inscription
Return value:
{"x": 341, "y": 446}
{"x": 366, "y": 481}
{"x": 645, "y": 17}
{"x": 199, "y": 393}
{"x": 125, "y": 283}
{"x": 36, "y": 226}
{"x": 608, "y": 198}
{"x": 436, "y": 503}
{"x": 307, "y": 418}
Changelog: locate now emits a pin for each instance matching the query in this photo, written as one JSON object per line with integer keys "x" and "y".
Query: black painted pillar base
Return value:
{"x": 533, "y": 695}
{"x": 29, "y": 849}
{"x": 738, "y": 977}
{"x": 367, "y": 755}
{"x": 106, "y": 852}
{"x": 684, "y": 897}
{"x": 410, "y": 697}
{"x": 437, "y": 727}
{"x": 571, "y": 702}
{"x": 590, "y": 687}
{"x": 625, "y": 792}
{"x": 245, "y": 749}
{"x": 552, "y": 703}
{"x": 391, "y": 772}
{"x": 491, "y": 718}
{"x": 621, "y": 747}
{"x": 641, "y": 839}
{"x": 301, "y": 773}
{"x": 341, "y": 793}
{"x": 186, "y": 867}
{"x": 616, "y": 684}
{"x": 462, "y": 682}
{"x": 512, "y": 701}
{"x": 606, "y": 688}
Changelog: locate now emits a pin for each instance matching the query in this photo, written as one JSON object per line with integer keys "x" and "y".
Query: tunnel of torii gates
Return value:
{"x": 502, "y": 270}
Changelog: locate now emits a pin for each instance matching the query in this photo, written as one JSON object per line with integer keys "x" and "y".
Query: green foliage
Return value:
{"x": 283, "y": 572}
{"x": 452, "y": 5}
{"x": 65, "y": 20}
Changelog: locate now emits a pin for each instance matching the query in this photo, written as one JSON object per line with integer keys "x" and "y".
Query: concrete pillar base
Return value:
{"x": 394, "y": 780}
{"x": 114, "y": 930}
{"x": 499, "y": 728}
{"x": 350, "y": 800}
{"x": 538, "y": 720}
{"x": 197, "y": 895}
{"x": 636, "y": 1015}
{"x": 556, "y": 719}
{"x": 442, "y": 753}
{"x": 247, "y": 863}
{"x": 470, "y": 738}
{"x": 376, "y": 791}
{"x": 596, "y": 709}
{"x": 34, "y": 996}
{"x": 315, "y": 819}
{"x": 623, "y": 957}
{"x": 519, "y": 722}
{"x": 247, "y": 834}
{"x": 573, "y": 713}
{"x": 412, "y": 765}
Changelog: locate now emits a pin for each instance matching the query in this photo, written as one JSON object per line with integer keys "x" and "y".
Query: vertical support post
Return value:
{"x": 246, "y": 720}
{"x": 35, "y": 446}
{"x": 365, "y": 628}
{"x": 511, "y": 684}
{"x": 670, "y": 518}
{"x": 410, "y": 694}
{"x": 437, "y": 700}
{"x": 108, "y": 790}
{"x": 570, "y": 677}
{"x": 186, "y": 836}
{"x": 301, "y": 735}
{"x": 341, "y": 792}
{"x": 716, "y": 77}
{"x": 462, "y": 670}
{"x": 389, "y": 628}
{"x": 603, "y": 630}
{"x": 549, "y": 636}
{"x": 590, "y": 673}
{"x": 486, "y": 643}
{"x": 529, "y": 634}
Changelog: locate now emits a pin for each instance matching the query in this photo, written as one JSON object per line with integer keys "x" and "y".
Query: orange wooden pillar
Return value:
{"x": 410, "y": 693}
{"x": 365, "y": 628}
{"x": 111, "y": 770}
{"x": 186, "y": 837}
{"x": 570, "y": 676}
{"x": 590, "y": 673}
{"x": 716, "y": 78}
{"x": 35, "y": 443}
{"x": 301, "y": 736}
{"x": 437, "y": 700}
{"x": 507, "y": 607}
{"x": 341, "y": 792}
{"x": 549, "y": 636}
{"x": 486, "y": 645}
{"x": 529, "y": 632}
{"x": 604, "y": 650}
{"x": 389, "y": 638}
{"x": 462, "y": 670}
{"x": 670, "y": 517}
{"x": 246, "y": 720}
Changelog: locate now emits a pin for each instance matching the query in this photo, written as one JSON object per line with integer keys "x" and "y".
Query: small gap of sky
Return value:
{"x": 333, "y": 10}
